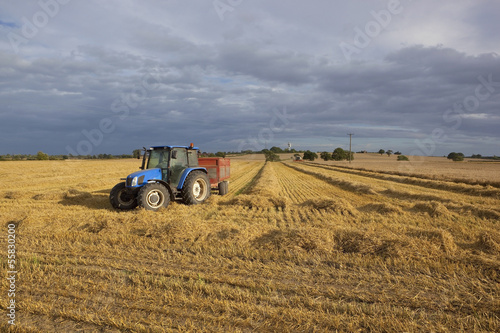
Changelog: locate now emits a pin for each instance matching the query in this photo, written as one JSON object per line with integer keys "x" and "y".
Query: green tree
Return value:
{"x": 403, "y": 158}
{"x": 381, "y": 152}
{"x": 309, "y": 155}
{"x": 325, "y": 156}
{"x": 339, "y": 154}
{"x": 272, "y": 157}
{"x": 42, "y": 156}
{"x": 136, "y": 153}
{"x": 347, "y": 154}
{"x": 220, "y": 154}
{"x": 389, "y": 152}
{"x": 276, "y": 150}
{"x": 457, "y": 157}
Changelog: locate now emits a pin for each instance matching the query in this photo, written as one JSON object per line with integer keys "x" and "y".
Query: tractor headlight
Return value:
{"x": 134, "y": 182}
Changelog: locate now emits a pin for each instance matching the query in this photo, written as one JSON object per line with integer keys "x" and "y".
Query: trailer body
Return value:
{"x": 218, "y": 169}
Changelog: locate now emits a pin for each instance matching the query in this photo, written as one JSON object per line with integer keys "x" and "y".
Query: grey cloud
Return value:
{"x": 217, "y": 83}
{"x": 267, "y": 65}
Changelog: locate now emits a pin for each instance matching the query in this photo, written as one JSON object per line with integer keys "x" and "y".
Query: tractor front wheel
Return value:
{"x": 122, "y": 198}
{"x": 153, "y": 196}
{"x": 196, "y": 188}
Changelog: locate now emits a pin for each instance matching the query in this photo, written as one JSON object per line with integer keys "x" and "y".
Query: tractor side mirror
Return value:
{"x": 174, "y": 154}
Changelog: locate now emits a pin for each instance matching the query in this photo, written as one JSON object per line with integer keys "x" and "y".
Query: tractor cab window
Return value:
{"x": 158, "y": 159}
{"x": 177, "y": 165}
{"x": 193, "y": 158}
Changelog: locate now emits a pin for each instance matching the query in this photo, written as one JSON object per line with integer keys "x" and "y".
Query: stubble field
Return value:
{"x": 306, "y": 247}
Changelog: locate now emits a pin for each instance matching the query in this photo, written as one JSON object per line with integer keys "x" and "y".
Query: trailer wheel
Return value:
{"x": 153, "y": 196}
{"x": 122, "y": 198}
{"x": 196, "y": 188}
{"x": 223, "y": 187}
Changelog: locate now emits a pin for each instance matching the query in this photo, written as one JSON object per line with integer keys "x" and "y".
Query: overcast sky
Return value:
{"x": 91, "y": 77}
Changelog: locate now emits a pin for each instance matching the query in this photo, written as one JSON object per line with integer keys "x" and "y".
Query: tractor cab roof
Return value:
{"x": 170, "y": 147}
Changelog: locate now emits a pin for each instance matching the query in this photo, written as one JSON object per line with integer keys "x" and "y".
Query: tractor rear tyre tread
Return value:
{"x": 122, "y": 198}
{"x": 196, "y": 188}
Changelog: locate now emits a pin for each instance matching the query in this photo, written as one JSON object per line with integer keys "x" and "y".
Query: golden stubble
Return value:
{"x": 292, "y": 247}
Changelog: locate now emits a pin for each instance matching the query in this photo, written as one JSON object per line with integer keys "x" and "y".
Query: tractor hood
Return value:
{"x": 139, "y": 178}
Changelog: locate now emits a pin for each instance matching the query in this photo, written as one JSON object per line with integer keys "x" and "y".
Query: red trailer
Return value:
{"x": 218, "y": 169}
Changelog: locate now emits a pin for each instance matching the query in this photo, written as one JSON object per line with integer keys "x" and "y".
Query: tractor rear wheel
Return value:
{"x": 153, "y": 196}
{"x": 122, "y": 198}
{"x": 196, "y": 188}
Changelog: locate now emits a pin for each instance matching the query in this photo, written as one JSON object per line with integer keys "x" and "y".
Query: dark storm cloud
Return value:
{"x": 266, "y": 65}
{"x": 415, "y": 85}
{"x": 176, "y": 73}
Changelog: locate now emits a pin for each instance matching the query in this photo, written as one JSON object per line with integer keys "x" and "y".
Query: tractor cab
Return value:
{"x": 171, "y": 160}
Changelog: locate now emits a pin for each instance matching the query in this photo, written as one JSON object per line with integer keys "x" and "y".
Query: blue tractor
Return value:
{"x": 167, "y": 173}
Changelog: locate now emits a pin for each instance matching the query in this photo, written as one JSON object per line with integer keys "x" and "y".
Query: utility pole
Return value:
{"x": 350, "y": 151}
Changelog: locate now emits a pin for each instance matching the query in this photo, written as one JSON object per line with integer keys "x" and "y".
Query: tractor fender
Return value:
{"x": 159, "y": 181}
{"x": 186, "y": 173}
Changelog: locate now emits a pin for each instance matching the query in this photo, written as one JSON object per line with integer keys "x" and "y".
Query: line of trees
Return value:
{"x": 338, "y": 154}
{"x": 41, "y": 156}
{"x": 274, "y": 149}
{"x": 388, "y": 152}
{"x": 217, "y": 154}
